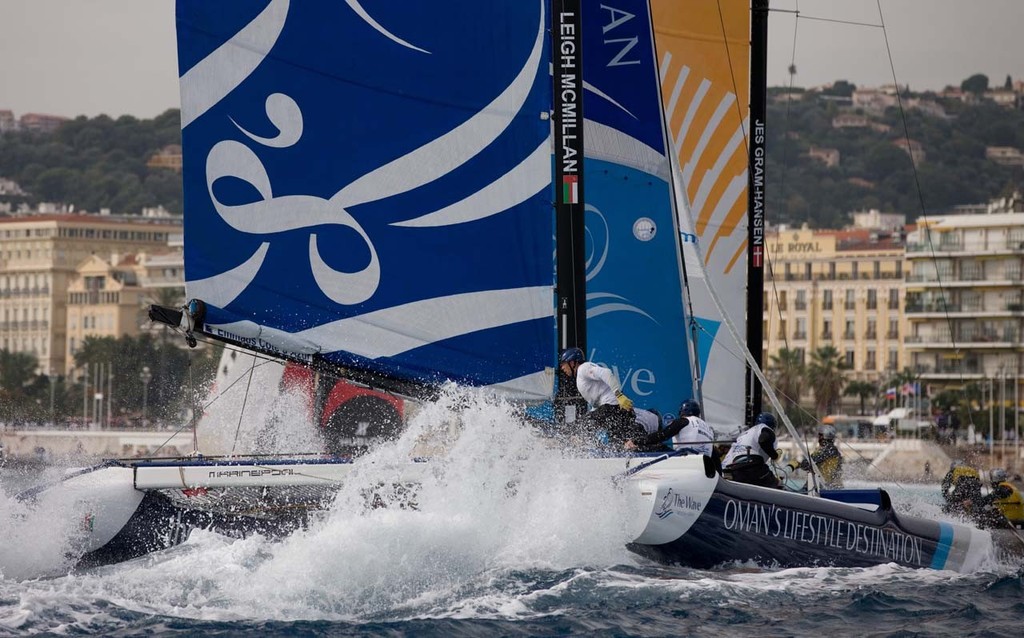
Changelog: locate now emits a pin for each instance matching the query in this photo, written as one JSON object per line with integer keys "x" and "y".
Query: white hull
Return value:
{"x": 685, "y": 512}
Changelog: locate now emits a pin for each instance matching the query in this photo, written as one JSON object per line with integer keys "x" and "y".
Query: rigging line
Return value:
{"x": 782, "y": 174}
{"x": 735, "y": 89}
{"x": 241, "y": 412}
{"x": 838, "y": 21}
{"x": 195, "y": 413}
{"x": 725, "y": 347}
{"x": 920, "y": 198}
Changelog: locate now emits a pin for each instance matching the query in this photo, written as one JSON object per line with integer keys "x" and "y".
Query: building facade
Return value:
{"x": 965, "y": 299}
{"x": 838, "y": 288}
{"x": 39, "y": 258}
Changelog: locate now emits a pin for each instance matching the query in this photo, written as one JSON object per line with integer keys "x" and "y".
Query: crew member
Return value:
{"x": 1007, "y": 498}
{"x": 611, "y": 411}
{"x": 747, "y": 460}
{"x": 827, "y": 459}
{"x": 688, "y": 432}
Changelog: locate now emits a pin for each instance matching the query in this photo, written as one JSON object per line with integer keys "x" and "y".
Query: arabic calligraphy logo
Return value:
{"x": 214, "y": 77}
{"x": 599, "y": 243}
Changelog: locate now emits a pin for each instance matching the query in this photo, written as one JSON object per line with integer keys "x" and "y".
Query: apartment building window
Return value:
{"x": 849, "y": 359}
{"x": 894, "y": 329}
{"x": 876, "y": 270}
{"x": 894, "y": 299}
{"x": 801, "y": 300}
{"x": 892, "y": 363}
{"x": 851, "y": 299}
{"x": 832, "y": 270}
{"x": 869, "y": 360}
{"x": 801, "y": 328}
{"x": 826, "y": 300}
{"x": 853, "y": 270}
{"x": 782, "y": 300}
{"x": 872, "y": 299}
{"x": 782, "y": 329}
{"x": 848, "y": 333}
{"x": 826, "y": 330}
{"x": 872, "y": 331}
{"x": 807, "y": 271}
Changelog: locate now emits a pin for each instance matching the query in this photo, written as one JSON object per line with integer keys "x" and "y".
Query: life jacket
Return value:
{"x": 964, "y": 471}
{"x": 747, "y": 445}
{"x": 1012, "y": 506}
{"x": 696, "y": 435}
{"x": 830, "y": 464}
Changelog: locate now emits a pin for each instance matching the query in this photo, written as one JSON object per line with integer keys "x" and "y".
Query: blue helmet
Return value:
{"x": 572, "y": 354}
{"x": 766, "y": 418}
{"x": 689, "y": 408}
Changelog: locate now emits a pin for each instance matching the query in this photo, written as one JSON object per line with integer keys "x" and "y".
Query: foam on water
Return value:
{"x": 501, "y": 531}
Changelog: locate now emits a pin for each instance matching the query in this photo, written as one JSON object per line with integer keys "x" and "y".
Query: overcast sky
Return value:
{"x": 86, "y": 57}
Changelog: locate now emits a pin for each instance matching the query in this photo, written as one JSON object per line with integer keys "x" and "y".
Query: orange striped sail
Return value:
{"x": 703, "y": 48}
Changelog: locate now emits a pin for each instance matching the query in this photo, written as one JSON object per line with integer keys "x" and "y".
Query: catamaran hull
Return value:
{"x": 687, "y": 513}
{"x": 698, "y": 519}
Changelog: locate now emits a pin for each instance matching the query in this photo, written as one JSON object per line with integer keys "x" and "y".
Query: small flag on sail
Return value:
{"x": 758, "y": 257}
{"x": 570, "y": 189}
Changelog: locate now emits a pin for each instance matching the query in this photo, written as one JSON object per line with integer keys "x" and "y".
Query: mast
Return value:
{"x": 570, "y": 238}
{"x": 756, "y": 199}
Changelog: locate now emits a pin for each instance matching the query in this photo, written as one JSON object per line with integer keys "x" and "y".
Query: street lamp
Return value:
{"x": 145, "y": 376}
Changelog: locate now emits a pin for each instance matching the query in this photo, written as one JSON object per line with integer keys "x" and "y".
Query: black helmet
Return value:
{"x": 689, "y": 408}
{"x": 572, "y": 354}
{"x": 766, "y": 418}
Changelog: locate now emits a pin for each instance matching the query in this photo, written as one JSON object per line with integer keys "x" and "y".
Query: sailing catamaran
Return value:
{"x": 370, "y": 196}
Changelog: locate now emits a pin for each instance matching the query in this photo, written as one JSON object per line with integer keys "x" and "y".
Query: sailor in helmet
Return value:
{"x": 1006, "y": 497}
{"x": 747, "y": 459}
{"x": 688, "y": 432}
{"x": 827, "y": 458}
{"x": 611, "y": 411}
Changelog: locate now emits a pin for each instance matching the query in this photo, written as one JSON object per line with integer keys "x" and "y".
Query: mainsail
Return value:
{"x": 704, "y": 51}
{"x": 370, "y": 187}
{"x": 635, "y": 317}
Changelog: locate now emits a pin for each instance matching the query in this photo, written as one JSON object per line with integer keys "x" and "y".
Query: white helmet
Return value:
{"x": 998, "y": 475}
{"x": 827, "y": 432}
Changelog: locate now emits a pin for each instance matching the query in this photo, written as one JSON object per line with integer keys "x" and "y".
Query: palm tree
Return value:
{"x": 786, "y": 372}
{"x": 862, "y": 390}
{"x": 17, "y": 370}
{"x": 827, "y": 380}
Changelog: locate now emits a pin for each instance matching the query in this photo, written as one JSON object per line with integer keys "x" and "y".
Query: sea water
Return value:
{"x": 502, "y": 543}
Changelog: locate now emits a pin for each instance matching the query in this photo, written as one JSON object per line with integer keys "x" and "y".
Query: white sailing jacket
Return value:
{"x": 597, "y": 384}
{"x": 747, "y": 444}
{"x": 695, "y": 431}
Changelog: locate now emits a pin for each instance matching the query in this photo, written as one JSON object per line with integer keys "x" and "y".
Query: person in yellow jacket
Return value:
{"x": 827, "y": 458}
{"x": 1007, "y": 498}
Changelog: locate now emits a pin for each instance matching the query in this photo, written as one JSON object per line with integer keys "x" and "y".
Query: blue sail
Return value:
{"x": 635, "y": 318}
{"x": 371, "y": 185}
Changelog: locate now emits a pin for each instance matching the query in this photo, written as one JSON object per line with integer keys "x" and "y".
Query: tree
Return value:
{"x": 786, "y": 373}
{"x": 862, "y": 390}
{"x": 841, "y": 88}
{"x": 977, "y": 84}
{"x": 17, "y": 370}
{"x": 827, "y": 380}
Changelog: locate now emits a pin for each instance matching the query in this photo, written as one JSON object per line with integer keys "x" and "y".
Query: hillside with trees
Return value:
{"x": 95, "y": 163}
{"x": 875, "y": 171}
